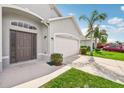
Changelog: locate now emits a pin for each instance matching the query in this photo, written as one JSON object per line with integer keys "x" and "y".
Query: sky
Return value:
{"x": 114, "y": 23}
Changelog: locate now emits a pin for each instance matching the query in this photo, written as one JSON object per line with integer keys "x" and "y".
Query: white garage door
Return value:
{"x": 66, "y": 46}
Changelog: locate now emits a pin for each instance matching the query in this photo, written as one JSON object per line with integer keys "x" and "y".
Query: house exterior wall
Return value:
{"x": 0, "y": 39}
{"x": 44, "y": 10}
{"x": 85, "y": 42}
{"x": 63, "y": 26}
{"x": 41, "y": 31}
{"x": 45, "y": 45}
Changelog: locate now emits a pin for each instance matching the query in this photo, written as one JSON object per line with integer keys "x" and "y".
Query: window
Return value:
{"x": 24, "y": 25}
{"x": 14, "y": 23}
{"x": 20, "y": 24}
{"x": 32, "y": 27}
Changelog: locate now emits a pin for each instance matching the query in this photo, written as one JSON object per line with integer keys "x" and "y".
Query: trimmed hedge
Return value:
{"x": 83, "y": 50}
{"x": 56, "y": 59}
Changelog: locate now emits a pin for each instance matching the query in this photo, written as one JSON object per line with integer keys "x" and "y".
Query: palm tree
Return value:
{"x": 100, "y": 35}
{"x": 96, "y": 35}
{"x": 103, "y": 36}
{"x": 91, "y": 21}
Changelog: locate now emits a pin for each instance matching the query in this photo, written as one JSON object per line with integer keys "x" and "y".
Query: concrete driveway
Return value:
{"x": 106, "y": 68}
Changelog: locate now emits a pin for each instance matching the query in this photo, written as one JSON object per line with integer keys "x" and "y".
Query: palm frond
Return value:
{"x": 100, "y": 17}
{"x": 96, "y": 32}
{"x": 88, "y": 35}
{"x": 93, "y": 16}
{"x": 83, "y": 17}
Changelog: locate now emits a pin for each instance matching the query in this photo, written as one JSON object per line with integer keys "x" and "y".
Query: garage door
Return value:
{"x": 22, "y": 46}
{"x": 66, "y": 46}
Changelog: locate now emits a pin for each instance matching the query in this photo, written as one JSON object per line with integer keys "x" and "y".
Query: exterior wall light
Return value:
{"x": 45, "y": 37}
{"x": 52, "y": 38}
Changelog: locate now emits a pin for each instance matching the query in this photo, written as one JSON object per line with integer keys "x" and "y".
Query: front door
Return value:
{"x": 22, "y": 46}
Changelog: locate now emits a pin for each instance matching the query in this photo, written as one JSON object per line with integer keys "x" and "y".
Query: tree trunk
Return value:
{"x": 91, "y": 46}
{"x": 95, "y": 43}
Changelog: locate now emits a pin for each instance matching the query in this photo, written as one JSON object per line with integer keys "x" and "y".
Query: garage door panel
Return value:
{"x": 66, "y": 46}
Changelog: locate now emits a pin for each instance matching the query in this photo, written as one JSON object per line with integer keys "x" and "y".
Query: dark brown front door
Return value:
{"x": 22, "y": 46}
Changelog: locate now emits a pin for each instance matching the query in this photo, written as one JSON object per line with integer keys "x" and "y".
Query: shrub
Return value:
{"x": 97, "y": 50}
{"x": 56, "y": 59}
{"x": 83, "y": 50}
{"x": 83, "y": 46}
{"x": 87, "y": 47}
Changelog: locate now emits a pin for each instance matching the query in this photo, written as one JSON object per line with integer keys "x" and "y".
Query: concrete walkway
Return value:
{"x": 36, "y": 83}
{"x": 106, "y": 68}
{"x": 33, "y": 74}
{"x": 17, "y": 74}
{"x": 21, "y": 73}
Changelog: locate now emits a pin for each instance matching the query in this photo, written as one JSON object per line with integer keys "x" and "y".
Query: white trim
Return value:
{"x": 59, "y": 18}
{"x": 0, "y": 36}
{"x": 53, "y": 6}
{"x": 19, "y": 29}
{"x": 5, "y": 57}
{"x": 49, "y": 33}
{"x": 67, "y": 34}
{"x": 58, "y": 12}
{"x": 42, "y": 20}
{"x": 22, "y": 9}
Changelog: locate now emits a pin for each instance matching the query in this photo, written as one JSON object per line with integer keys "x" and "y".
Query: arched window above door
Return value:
{"x": 24, "y": 25}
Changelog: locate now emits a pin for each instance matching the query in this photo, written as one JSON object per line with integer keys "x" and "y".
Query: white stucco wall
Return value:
{"x": 85, "y": 43}
{"x": 43, "y": 10}
{"x": 63, "y": 26}
{"x": 0, "y": 39}
{"x": 42, "y": 30}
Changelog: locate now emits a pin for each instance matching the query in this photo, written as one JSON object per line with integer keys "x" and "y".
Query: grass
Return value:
{"x": 109, "y": 55}
{"x": 74, "y": 78}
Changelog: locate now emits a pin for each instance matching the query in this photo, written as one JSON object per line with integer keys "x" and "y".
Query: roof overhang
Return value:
{"x": 53, "y": 6}
{"x": 25, "y": 10}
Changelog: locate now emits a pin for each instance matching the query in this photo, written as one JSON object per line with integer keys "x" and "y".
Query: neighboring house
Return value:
{"x": 30, "y": 32}
{"x": 87, "y": 42}
{"x": 122, "y": 43}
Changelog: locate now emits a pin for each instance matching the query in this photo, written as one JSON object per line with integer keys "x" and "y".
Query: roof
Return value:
{"x": 22, "y": 9}
{"x": 56, "y": 9}
{"x": 68, "y": 17}
{"x": 25, "y": 10}
{"x": 53, "y": 6}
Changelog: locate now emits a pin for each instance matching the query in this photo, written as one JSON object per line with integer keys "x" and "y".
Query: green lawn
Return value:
{"x": 110, "y": 55}
{"x": 74, "y": 78}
